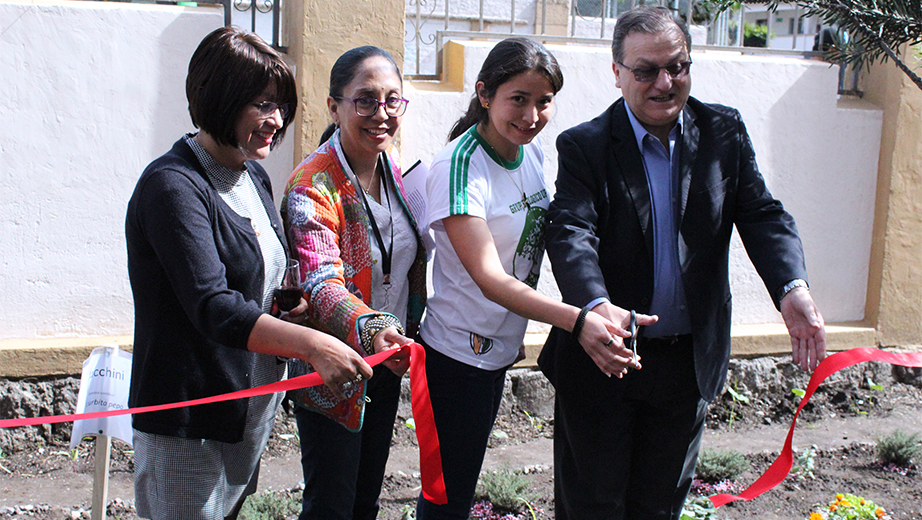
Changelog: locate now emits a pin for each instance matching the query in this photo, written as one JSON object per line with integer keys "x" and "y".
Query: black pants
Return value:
{"x": 465, "y": 401}
{"x": 634, "y": 458}
{"x": 343, "y": 470}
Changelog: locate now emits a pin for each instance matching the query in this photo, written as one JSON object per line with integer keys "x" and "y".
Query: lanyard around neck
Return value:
{"x": 385, "y": 253}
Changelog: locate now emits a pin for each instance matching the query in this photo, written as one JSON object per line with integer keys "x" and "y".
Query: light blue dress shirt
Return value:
{"x": 662, "y": 169}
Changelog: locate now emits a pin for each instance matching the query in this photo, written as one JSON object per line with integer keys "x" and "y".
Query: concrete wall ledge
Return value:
{"x": 52, "y": 357}
{"x": 755, "y": 340}
{"x": 65, "y": 356}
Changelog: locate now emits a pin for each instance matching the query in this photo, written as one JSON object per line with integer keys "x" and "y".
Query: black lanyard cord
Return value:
{"x": 385, "y": 253}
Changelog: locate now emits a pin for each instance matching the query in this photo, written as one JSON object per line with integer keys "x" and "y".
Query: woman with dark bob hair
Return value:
{"x": 364, "y": 276}
{"x": 205, "y": 252}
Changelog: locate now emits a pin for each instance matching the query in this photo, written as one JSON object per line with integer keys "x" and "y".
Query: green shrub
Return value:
{"x": 272, "y": 505}
{"x": 698, "y": 508}
{"x": 718, "y": 465}
{"x": 899, "y": 448}
{"x": 505, "y": 489}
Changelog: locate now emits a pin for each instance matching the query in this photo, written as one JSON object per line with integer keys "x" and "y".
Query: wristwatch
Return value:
{"x": 790, "y": 286}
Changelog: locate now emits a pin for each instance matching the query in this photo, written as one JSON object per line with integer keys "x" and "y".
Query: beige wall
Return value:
{"x": 895, "y": 284}
{"x": 319, "y": 32}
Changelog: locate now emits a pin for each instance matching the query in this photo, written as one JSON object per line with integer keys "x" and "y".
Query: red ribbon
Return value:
{"x": 430, "y": 460}
{"x": 832, "y": 364}
{"x": 430, "y": 457}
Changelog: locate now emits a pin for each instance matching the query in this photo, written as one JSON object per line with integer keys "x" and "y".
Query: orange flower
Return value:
{"x": 816, "y": 516}
{"x": 839, "y": 496}
{"x": 861, "y": 501}
{"x": 880, "y": 513}
{"x": 833, "y": 507}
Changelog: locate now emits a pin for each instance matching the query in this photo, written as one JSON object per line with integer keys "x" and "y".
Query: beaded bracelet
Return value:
{"x": 580, "y": 321}
{"x": 375, "y": 325}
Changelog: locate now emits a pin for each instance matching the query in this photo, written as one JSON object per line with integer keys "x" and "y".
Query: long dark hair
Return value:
{"x": 507, "y": 59}
{"x": 344, "y": 70}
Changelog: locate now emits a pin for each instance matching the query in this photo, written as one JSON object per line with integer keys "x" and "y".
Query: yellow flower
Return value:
{"x": 839, "y": 496}
{"x": 817, "y": 516}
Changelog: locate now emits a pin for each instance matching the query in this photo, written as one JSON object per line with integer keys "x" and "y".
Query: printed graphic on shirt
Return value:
{"x": 531, "y": 244}
{"x": 480, "y": 345}
{"x": 526, "y": 203}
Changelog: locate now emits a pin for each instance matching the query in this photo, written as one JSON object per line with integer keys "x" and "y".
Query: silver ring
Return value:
{"x": 347, "y": 386}
{"x": 610, "y": 341}
{"x": 359, "y": 378}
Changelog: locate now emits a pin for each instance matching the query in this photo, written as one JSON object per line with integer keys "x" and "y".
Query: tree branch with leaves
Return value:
{"x": 876, "y": 28}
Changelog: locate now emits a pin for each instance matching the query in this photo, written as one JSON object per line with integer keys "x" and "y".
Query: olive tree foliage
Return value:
{"x": 876, "y": 28}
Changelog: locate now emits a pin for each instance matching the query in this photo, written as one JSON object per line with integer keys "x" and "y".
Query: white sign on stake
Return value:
{"x": 104, "y": 386}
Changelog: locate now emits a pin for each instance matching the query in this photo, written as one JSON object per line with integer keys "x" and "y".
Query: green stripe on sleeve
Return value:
{"x": 460, "y": 163}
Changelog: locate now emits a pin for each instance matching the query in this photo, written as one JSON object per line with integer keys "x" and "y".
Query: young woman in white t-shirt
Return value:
{"x": 487, "y": 206}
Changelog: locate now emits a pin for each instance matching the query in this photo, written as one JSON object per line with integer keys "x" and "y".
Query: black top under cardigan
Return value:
{"x": 196, "y": 274}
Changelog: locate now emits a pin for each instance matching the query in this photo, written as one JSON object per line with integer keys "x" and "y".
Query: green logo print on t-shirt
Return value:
{"x": 531, "y": 244}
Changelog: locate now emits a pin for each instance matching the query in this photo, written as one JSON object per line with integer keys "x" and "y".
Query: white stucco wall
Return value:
{"x": 91, "y": 93}
{"x": 817, "y": 154}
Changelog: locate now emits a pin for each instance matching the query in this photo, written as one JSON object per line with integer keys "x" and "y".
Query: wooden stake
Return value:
{"x": 101, "y": 478}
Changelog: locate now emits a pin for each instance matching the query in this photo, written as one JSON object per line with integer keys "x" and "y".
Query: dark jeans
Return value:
{"x": 634, "y": 458}
{"x": 343, "y": 470}
{"x": 465, "y": 401}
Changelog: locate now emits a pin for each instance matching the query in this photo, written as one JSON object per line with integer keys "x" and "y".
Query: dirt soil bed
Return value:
{"x": 842, "y": 422}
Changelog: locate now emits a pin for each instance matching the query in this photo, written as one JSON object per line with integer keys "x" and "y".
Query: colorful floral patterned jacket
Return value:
{"x": 330, "y": 237}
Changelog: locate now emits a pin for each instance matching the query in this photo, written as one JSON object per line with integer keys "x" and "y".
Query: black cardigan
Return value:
{"x": 196, "y": 274}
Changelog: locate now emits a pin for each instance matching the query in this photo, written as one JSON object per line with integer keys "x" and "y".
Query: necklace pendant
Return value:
{"x": 387, "y": 279}
{"x": 525, "y": 202}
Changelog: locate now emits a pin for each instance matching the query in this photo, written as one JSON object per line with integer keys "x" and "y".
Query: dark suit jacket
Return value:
{"x": 600, "y": 234}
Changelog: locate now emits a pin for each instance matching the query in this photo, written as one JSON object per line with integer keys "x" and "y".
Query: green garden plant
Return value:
{"x": 719, "y": 465}
{"x": 805, "y": 465}
{"x": 899, "y": 448}
{"x": 272, "y": 505}
{"x": 408, "y": 513}
{"x": 506, "y": 489}
{"x": 847, "y": 506}
{"x": 698, "y": 508}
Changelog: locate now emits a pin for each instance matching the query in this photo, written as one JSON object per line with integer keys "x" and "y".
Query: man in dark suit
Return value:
{"x": 647, "y": 196}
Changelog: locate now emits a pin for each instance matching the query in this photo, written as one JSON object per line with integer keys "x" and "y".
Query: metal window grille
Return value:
{"x": 431, "y": 22}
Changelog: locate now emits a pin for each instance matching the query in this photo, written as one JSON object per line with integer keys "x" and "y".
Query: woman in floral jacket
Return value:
{"x": 363, "y": 271}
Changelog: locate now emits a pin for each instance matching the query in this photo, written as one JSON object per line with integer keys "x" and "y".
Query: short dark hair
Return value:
{"x": 348, "y": 64}
{"x": 230, "y": 69}
{"x": 507, "y": 59}
{"x": 647, "y": 20}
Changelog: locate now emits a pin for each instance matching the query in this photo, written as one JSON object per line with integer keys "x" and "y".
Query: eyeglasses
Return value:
{"x": 649, "y": 74}
{"x": 367, "y": 107}
{"x": 267, "y": 109}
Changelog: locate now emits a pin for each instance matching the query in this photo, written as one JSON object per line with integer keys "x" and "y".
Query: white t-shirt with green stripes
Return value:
{"x": 468, "y": 178}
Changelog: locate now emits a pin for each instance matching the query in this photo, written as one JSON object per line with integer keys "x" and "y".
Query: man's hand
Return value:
{"x": 603, "y": 339}
{"x": 806, "y": 327}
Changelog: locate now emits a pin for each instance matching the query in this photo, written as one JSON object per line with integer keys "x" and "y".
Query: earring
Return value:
{"x": 486, "y": 105}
